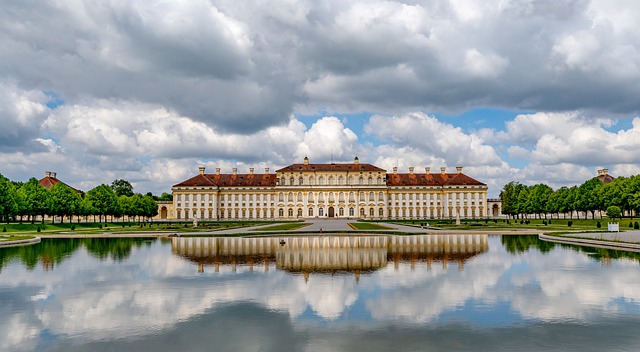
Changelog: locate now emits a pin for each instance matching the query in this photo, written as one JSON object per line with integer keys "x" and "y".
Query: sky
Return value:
{"x": 531, "y": 91}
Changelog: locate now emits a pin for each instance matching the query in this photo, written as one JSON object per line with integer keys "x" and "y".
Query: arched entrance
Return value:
{"x": 163, "y": 213}
{"x": 332, "y": 212}
{"x": 496, "y": 210}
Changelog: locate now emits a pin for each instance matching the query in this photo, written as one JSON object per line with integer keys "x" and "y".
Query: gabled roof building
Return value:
{"x": 332, "y": 190}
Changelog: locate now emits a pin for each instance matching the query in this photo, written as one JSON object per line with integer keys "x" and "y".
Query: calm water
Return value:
{"x": 416, "y": 293}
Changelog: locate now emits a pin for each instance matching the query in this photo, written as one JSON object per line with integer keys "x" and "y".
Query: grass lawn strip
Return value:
{"x": 367, "y": 226}
{"x": 7, "y": 238}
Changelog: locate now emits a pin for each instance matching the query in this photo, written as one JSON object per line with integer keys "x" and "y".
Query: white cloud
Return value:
{"x": 433, "y": 138}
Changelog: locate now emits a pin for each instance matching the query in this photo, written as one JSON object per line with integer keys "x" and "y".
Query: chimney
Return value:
{"x": 217, "y": 171}
{"x": 250, "y": 171}
{"x": 306, "y": 160}
{"x": 356, "y": 161}
{"x": 201, "y": 170}
{"x": 443, "y": 170}
{"x": 459, "y": 169}
{"x": 427, "y": 170}
{"x": 266, "y": 170}
{"x": 235, "y": 170}
{"x": 411, "y": 170}
{"x": 395, "y": 170}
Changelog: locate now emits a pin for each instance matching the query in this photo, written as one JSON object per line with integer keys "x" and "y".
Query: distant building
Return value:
{"x": 50, "y": 179}
{"x": 335, "y": 190}
{"x": 603, "y": 175}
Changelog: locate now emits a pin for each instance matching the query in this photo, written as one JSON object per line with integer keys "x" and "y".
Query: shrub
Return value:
{"x": 598, "y": 225}
{"x": 636, "y": 226}
{"x": 73, "y": 227}
{"x": 549, "y": 221}
{"x": 100, "y": 226}
{"x": 38, "y": 229}
{"x": 630, "y": 224}
{"x": 495, "y": 221}
{"x": 521, "y": 222}
{"x": 4, "y": 229}
{"x": 569, "y": 223}
{"x": 544, "y": 222}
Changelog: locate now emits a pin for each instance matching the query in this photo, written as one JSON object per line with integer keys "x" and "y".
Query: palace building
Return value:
{"x": 334, "y": 190}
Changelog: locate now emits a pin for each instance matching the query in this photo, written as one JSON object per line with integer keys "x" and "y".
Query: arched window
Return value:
{"x": 341, "y": 180}
{"x": 379, "y": 181}
{"x": 371, "y": 199}
{"x": 341, "y": 197}
{"x": 360, "y": 181}
{"x": 312, "y": 180}
{"x": 290, "y": 212}
{"x": 321, "y": 197}
{"x": 350, "y": 211}
{"x": 380, "y": 212}
{"x": 277, "y": 181}
{"x": 299, "y": 213}
{"x": 280, "y": 197}
{"x": 290, "y": 197}
{"x": 331, "y": 198}
{"x": 300, "y": 181}
{"x": 352, "y": 198}
{"x": 321, "y": 181}
{"x": 361, "y": 197}
{"x": 291, "y": 181}
{"x": 370, "y": 181}
{"x": 310, "y": 211}
{"x": 310, "y": 197}
{"x": 320, "y": 212}
{"x": 330, "y": 180}
{"x": 299, "y": 197}
{"x": 380, "y": 197}
{"x": 371, "y": 212}
{"x": 362, "y": 212}
{"x": 350, "y": 182}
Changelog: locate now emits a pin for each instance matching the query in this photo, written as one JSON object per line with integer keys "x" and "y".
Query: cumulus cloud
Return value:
{"x": 433, "y": 138}
{"x": 114, "y": 88}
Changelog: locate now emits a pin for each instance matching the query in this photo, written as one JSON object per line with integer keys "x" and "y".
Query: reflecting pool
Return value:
{"x": 318, "y": 293}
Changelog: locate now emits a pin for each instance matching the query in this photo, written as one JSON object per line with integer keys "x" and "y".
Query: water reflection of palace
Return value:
{"x": 329, "y": 253}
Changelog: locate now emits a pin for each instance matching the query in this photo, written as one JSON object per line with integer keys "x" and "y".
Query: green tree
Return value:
{"x": 165, "y": 197}
{"x": 588, "y": 200}
{"x": 150, "y": 207}
{"x": 8, "y": 199}
{"x": 122, "y": 188}
{"x": 509, "y": 197}
{"x": 539, "y": 199}
{"x": 64, "y": 201}
{"x": 35, "y": 199}
{"x": 103, "y": 201}
{"x": 613, "y": 212}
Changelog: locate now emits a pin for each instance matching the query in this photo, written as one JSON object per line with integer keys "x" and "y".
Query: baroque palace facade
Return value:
{"x": 335, "y": 190}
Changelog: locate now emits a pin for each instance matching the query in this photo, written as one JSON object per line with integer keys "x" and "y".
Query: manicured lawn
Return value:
{"x": 515, "y": 224}
{"x": 367, "y": 226}
{"x": 4, "y": 238}
{"x": 283, "y": 227}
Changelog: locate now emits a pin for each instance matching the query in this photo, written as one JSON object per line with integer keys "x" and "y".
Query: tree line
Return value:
{"x": 30, "y": 201}
{"x": 618, "y": 198}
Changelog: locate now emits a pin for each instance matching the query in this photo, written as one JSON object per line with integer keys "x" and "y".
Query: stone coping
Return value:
{"x": 633, "y": 247}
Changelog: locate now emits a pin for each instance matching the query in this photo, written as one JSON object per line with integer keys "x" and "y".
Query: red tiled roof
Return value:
{"x": 432, "y": 180}
{"x": 230, "y": 180}
{"x": 606, "y": 178}
{"x": 48, "y": 182}
{"x": 330, "y": 167}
